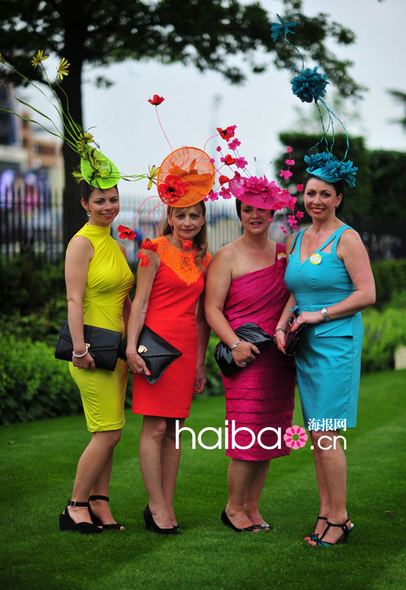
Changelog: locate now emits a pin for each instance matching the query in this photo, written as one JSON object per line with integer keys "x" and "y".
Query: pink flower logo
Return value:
{"x": 295, "y": 437}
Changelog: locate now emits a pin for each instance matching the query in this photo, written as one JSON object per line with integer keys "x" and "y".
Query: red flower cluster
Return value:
{"x": 228, "y": 132}
{"x": 172, "y": 189}
{"x": 228, "y": 159}
{"x": 156, "y": 100}
{"x": 143, "y": 258}
{"x": 223, "y": 179}
{"x": 126, "y": 233}
{"x": 146, "y": 244}
{"x": 187, "y": 244}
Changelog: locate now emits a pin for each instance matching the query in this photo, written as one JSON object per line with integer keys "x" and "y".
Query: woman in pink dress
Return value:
{"x": 245, "y": 284}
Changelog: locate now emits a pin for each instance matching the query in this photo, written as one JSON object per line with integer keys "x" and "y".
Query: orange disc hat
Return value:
{"x": 185, "y": 177}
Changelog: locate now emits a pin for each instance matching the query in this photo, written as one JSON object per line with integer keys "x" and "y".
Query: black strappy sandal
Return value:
{"x": 315, "y": 536}
{"x": 66, "y": 522}
{"x": 344, "y": 537}
{"x": 114, "y": 526}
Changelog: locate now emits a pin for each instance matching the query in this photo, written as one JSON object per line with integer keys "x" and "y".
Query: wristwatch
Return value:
{"x": 324, "y": 313}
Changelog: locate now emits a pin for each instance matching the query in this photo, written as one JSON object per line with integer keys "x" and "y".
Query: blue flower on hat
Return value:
{"x": 281, "y": 28}
{"x": 325, "y": 166}
{"x": 309, "y": 85}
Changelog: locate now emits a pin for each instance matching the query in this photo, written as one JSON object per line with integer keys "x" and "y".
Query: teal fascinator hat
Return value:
{"x": 324, "y": 165}
{"x": 310, "y": 85}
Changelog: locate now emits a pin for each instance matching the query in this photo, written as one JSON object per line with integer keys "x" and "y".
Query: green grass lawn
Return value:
{"x": 38, "y": 463}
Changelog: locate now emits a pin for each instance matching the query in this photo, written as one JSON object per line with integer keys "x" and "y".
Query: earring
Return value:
{"x": 88, "y": 213}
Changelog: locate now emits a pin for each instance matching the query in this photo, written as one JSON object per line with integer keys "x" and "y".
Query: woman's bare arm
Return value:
{"x": 139, "y": 308}
{"x": 78, "y": 257}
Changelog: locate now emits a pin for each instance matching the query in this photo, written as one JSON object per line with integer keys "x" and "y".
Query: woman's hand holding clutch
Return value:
{"x": 244, "y": 353}
{"x": 136, "y": 363}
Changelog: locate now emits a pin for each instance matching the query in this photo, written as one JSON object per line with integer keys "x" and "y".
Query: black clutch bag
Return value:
{"x": 157, "y": 353}
{"x": 293, "y": 340}
{"x": 248, "y": 332}
{"x": 104, "y": 345}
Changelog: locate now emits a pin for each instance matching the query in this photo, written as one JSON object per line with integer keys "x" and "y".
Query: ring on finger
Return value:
{"x": 244, "y": 364}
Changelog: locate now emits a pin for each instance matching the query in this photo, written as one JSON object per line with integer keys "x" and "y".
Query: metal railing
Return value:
{"x": 31, "y": 221}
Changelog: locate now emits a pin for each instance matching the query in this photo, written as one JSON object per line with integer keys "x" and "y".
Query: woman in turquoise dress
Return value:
{"x": 330, "y": 279}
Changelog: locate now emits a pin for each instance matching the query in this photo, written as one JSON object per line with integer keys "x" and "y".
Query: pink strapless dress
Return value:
{"x": 262, "y": 394}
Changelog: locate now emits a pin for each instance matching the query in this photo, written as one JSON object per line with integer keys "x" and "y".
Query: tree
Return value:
{"x": 400, "y": 98}
{"x": 206, "y": 34}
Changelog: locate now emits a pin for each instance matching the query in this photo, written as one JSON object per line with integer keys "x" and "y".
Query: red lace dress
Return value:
{"x": 177, "y": 287}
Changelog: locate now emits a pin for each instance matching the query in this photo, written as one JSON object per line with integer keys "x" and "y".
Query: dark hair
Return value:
{"x": 200, "y": 241}
{"x": 238, "y": 205}
{"x": 338, "y": 187}
{"x": 86, "y": 190}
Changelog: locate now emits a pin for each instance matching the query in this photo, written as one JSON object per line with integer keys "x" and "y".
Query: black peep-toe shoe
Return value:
{"x": 116, "y": 526}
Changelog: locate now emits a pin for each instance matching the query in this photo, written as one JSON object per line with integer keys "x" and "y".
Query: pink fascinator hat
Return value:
{"x": 259, "y": 192}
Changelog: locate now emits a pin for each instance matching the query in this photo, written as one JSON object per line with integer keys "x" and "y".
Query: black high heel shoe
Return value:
{"x": 315, "y": 536}
{"x": 227, "y": 522}
{"x": 151, "y": 525}
{"x": 66, "y": 522}
{"x": 344, "y": 537}
{"x": 118, "y": 526}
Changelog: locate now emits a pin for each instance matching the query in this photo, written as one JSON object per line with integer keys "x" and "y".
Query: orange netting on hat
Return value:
{"x": 185, "y": 177}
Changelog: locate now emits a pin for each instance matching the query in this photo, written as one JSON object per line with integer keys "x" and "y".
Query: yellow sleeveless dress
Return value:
{"x": 109, "y": 281}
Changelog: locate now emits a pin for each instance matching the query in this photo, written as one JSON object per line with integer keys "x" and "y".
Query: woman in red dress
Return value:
{"x": 170, "y": 285}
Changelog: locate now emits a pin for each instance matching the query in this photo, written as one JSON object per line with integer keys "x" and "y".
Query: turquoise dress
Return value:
{"x": 328, "y": 359}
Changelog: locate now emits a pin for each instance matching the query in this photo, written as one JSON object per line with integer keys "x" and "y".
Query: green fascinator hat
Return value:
{"x": 95, "y": 167}
{"x": 97, "y": 170}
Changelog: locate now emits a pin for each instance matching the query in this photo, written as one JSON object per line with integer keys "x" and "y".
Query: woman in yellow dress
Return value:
{"x": 98, "y": 280}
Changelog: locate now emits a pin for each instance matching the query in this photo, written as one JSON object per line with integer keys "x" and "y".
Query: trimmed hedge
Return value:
{"x": 383, "y": 333}
{"x": 28, "y": 283}
{"x": 390, "y": 279}
{"x": 32, "y": 384}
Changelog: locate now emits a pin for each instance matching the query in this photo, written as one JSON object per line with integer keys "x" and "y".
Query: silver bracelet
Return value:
{"x": 284, "y": 330}
{"x": 234, "y": 345}
{"x": 325, "y": 315}
{"x": 80, "y": 356}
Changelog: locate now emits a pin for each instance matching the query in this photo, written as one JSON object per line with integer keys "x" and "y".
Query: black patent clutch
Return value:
{"x": 250, "y": 333}
{"x": 157, "y": 353}
{"x": 104, "y": 345}
{"x": 293, "y": 339}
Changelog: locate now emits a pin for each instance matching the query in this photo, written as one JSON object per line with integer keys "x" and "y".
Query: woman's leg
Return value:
{"x": 91, "y": 464}
{"x": 240, "y": 475}
{"x": 254, "y": 491}
{"x": 101, "y": 508}
{"x": 334, "y": 471}
{"x": 152, "y": 436}
{"x": 170, "y": 458}
{"x": 324, "y": 495}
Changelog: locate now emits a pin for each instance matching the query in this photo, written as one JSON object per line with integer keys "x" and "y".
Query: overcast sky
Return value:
{"x": 126, "y": 126}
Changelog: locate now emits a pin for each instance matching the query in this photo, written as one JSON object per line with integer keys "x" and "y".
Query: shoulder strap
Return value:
{"x": 338, "y": 235}
{"x": 334, "y": 236}
{"x": 295, "y": 239}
